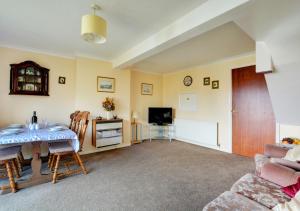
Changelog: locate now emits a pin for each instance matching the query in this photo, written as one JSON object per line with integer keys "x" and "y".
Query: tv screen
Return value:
{"x": 160, "y": 116}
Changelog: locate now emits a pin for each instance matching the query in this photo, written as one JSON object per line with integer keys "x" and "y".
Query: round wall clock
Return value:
{"x": 188, "y": 80}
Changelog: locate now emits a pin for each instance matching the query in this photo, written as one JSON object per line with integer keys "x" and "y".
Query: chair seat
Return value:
{"x": 60, "y": 147}
{"x": 5, "y": 146}
{"x": 9, "y": 153}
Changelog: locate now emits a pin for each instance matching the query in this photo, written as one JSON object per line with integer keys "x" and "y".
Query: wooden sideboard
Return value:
{"x": 107, "y": 132}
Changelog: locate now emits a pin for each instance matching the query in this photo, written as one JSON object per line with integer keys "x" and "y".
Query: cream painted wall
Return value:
{"x": 55, "y": 108}
{"x": 80, "y": 92}
{"x": 140, "y": 103}
{"x": 87, "y": 97}
{"x": 214, "y": 105}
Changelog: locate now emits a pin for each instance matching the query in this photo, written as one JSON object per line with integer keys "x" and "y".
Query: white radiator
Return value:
{"x": 197, "y": 132}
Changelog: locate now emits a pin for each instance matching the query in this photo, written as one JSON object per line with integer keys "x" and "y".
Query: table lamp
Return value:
{"x": 135, "y": 115}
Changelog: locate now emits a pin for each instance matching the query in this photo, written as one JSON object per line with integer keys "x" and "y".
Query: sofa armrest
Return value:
{"x": 275, "y": 151}
{"x": 291, "y": 164}
{"x": 279, "y": 174}
{"x": 260, "y": 161}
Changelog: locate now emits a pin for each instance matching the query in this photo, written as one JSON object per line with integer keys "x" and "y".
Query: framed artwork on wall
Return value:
{"x": 206, "y": 81}
{"x": 215, "y": 84}
{"x": 105, "y": 84}
{"x": 61, "y": 80}
{"x": 146, "y": 89}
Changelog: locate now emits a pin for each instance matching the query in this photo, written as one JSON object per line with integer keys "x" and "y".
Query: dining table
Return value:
{"x": 36, "y": 137}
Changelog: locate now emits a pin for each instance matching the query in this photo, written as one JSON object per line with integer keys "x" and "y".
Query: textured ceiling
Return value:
{"x": 54, "y": 26}
{"x": 222, "y": 42}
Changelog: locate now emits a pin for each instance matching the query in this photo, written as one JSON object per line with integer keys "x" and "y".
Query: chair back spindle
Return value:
{"x": 72, "y": 117}
{"x": 80, "y": 126}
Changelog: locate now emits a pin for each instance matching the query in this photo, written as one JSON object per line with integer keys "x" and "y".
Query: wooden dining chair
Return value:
{"x": 10, "y": 159}
{"x": 72, "y": 118}
{"x": 71, "y": 126}
{"x": 59, "y": 150}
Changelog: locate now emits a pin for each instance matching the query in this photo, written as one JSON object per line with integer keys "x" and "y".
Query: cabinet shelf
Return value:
{"x": 101, "y": 130}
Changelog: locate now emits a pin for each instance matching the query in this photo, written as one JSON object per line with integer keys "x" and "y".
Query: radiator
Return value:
{"x": 197, "y": 132}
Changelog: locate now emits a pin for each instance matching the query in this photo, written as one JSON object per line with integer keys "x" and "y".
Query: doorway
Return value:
{"x": 253, "y": 120}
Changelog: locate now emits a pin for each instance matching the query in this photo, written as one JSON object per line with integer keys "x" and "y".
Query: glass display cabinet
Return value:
{"x": 29, "y": 78}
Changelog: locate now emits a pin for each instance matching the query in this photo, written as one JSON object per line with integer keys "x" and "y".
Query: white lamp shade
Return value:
{"x": 93, "y": 29}
{"x": 135, "y": 115}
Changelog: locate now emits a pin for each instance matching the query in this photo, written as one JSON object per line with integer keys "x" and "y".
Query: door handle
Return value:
{"x": 234, "y": 111}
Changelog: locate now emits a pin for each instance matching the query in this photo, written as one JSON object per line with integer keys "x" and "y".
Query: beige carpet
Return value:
{"x": 149, "y": 176}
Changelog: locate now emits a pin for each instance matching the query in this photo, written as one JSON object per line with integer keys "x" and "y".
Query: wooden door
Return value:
{"x": 253, "y": 121}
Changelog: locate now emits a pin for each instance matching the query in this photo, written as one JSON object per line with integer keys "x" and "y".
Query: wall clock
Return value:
{"x": 188, "y": 80}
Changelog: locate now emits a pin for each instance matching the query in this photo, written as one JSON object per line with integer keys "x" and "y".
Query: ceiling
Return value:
{"x": 54, "y": 26}
{"x": 222, "y": 42}
{"x": 280, "y": 30}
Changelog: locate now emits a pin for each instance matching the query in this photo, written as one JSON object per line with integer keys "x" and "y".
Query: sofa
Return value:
{"x": 262, "y": 190}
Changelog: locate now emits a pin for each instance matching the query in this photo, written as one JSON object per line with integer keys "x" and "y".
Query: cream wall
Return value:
{"x": 214, "y": 105}
{"x": 87, "y": 97}
{"x": 80, "y": 92}
{"x": 55, "y": 108}
{"x": 141, "y": 103}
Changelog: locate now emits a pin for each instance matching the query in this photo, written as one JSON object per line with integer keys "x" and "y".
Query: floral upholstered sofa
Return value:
{"x": 259, "y": 191}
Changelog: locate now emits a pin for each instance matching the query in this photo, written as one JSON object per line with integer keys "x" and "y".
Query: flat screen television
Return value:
{"x": 160, "y": 115}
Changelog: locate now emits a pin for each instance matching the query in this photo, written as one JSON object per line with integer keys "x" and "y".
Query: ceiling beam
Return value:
{"x": 207, "y": 16}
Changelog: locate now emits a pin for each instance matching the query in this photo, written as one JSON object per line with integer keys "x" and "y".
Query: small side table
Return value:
{"x": 136, "y": 133}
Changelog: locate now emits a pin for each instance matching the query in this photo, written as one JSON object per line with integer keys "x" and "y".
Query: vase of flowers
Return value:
{"x": 109, "y": 106}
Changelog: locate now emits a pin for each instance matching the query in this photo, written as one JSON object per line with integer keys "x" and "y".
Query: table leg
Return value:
{"x": 36, "y": 166}
{"x": 36, "y": 162}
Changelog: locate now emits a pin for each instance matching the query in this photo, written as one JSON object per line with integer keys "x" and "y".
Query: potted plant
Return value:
{"x": 109, "y": 106}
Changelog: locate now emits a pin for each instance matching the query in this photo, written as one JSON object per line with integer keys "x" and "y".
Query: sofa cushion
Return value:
{"x": 291, "y": 164}
{"x": 279, "y": 174}
{"x": 275, "y": 151}
{"x": 293, "y": 154}
{"x": 292, "y": 189}
{"x": 260, "y": 190}
{"x": 229, "y": 201}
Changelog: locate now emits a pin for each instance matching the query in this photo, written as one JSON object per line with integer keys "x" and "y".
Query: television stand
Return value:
{"x": 162, "y": 131}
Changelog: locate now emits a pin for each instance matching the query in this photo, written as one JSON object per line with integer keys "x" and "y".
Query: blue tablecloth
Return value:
{"x": 41, "y": 135}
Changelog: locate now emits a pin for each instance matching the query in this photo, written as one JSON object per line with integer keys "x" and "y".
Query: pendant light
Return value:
{"x": 93, "y": 28}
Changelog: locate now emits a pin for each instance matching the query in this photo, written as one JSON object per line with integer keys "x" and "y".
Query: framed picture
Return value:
{"x": 147, "y": 89}
{"x": 206, "y": 81}
{"x": 215, "y": 84}
{"x": 105, "y": 84}
{"x": 61, "y": 80}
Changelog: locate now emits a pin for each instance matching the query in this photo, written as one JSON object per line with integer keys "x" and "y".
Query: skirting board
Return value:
{"x": 202, "y": 145}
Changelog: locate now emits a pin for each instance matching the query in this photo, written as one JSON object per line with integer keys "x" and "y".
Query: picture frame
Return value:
{"x": 146, "y": 89}
{"x": 206, "y": 81}
{"x": 106, "y": 84}
{"x": 215, "y": 84}
{"x": 61, "y": 80}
